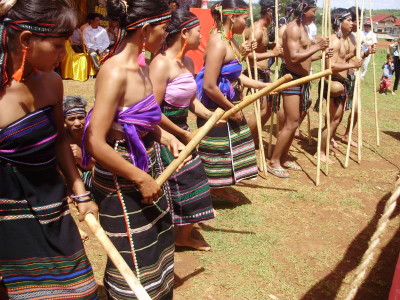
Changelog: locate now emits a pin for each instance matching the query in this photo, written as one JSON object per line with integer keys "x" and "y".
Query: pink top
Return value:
{"x": 180, "y": 90}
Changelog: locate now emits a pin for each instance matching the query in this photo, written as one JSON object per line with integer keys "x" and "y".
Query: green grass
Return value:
{"x": 289, "y": 238}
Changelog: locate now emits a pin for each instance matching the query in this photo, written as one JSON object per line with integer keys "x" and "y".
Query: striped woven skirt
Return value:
{"x": 41, "y": 252}
{"x": 142, "y": 233}
{"x": 190, "y": 192}
{"x": 228, "y": 153}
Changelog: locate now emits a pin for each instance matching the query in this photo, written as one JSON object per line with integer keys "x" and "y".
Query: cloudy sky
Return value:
{"x": 376, "y": 4}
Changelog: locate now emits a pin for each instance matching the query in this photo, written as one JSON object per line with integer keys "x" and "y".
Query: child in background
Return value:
{"x": 386, "y": 79}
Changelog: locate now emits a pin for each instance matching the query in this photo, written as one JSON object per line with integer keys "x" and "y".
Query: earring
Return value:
{"x": 180, "y": 54}
{"x": 230, "y": 34}
{"x": 17, "y": 76}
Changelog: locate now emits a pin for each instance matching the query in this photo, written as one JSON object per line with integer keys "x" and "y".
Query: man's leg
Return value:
{"x": 364, "y": 67}
{"x": 265, "y": 112}
{"x": 291, "y": 106}
{"x": 336, "y": 112}
{"x": 94, "y": 58}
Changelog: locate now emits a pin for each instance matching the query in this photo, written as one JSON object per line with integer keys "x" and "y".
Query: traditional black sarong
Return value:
{"x": 346, "y": 96}
{"x": 41, "y": 253}
{"x": 190, "y": 192}
{"x": 142, "y": 233}
{"x": 228, "y": 151}
{"x": 303, "y": 90}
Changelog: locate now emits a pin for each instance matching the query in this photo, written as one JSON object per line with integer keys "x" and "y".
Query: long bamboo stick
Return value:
{"x": 359, "y": 107}
{"x": 328, "y": 94}
{"x": 116, "y": 258}
{"x": 317, "y": 181}
{"x": 374, "y": 70}
{"x": 257, "y": 108}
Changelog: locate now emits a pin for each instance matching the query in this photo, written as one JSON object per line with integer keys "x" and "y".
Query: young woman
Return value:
{"x": 41, "y": 253}
{"x": 174, "y": 87}
{"x": 120, "y": 135}
{"x": 228, "y": 151}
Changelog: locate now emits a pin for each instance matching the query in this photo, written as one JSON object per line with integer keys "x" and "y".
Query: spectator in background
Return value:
{"x": 76, "y": 40}
{"x": 394, "y": 49}
{"x": 286, "y": 18}
{"x": 112, "y": 31}
{"x": 368, "y": 39}
{"x": 312, "y": 31}
{"x": 173, "y": 5}
{"x": 96, "y": 39}
{"x": 386, "y": 79}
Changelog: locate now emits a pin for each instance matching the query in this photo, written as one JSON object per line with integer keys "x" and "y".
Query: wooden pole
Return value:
{"x": 309, "y": 128}
{"x": 359, "y": 121}
{"x": 324, "y": 15}
{"x": 276, "y": 77}
{"x": 116, "y": 258}
{"x": 257, "y": 107}
{"x": 374, "y": 70}
{"x": 328, "y": 94}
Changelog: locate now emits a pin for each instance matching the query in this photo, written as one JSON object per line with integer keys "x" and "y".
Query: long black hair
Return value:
{"x": 179, "y": 17}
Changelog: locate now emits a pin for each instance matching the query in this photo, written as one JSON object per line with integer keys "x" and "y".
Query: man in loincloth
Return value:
{"x": 261, "y": 37}
{"x": 299, "y": 52}
{"x": 341, "y": 63}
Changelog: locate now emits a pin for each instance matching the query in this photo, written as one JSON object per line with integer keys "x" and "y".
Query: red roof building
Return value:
{"x": 385, "y": 23}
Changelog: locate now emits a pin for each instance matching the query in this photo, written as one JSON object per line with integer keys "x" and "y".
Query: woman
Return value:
{"x": 41, "y": 253}
{"x": 228, "y": 151}
{"x": 120, "y": 135}
{"x": 174, "y": 87}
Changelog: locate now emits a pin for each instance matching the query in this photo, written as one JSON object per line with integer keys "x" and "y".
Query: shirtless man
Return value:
{"x": 298, "y": 55}
{"x": 351, "y": 74}
{"x": 342, "y": 25}
{"x": 261, "y": 37}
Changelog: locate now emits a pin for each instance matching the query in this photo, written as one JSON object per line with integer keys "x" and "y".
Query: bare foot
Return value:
{"x": 225, "y": 194}
{"x": 324, "y": 158}
{"x": 193, "y": 243}
{"x": 334, "y": 144}
{"x": 393, "y": 93}
{"x": 352, "y": 143}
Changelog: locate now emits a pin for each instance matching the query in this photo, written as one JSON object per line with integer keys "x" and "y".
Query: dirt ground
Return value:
{"x": 291, "y": 239}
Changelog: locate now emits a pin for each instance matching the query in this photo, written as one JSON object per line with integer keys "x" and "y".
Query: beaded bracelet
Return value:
{"x": 78, "y": 198}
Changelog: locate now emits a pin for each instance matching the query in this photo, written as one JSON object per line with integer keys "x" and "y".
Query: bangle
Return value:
{"x": 80, "y": 196}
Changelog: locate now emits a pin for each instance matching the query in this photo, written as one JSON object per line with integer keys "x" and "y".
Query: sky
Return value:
{"x": 376, "y": 4}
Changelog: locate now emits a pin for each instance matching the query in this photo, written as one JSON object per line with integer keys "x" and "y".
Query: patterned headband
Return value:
{"x": 189, "y": 24}
{"x": 159, "y": 19}
{"x": 76, "y": 110}
{"x": 38, "y": 29}
{"x": 343, "y": 16}
{"x": 235, "y": 11}
{"x": 162, "y": 18}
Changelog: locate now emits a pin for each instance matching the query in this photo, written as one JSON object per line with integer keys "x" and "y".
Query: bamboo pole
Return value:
{"x": 357, "y": 94}
{"x": 328, "y": 94}
{"x": 374, "y": 69}
{"x": 116, "y": 258}
{"x": 359, "y": 107}
{"x": 324, "y": 16}
{"x": 199, "y": 135}
{"x": 257, "y": 106}
{"x": 276, "y": 77}
{"x": 309, "y": 128}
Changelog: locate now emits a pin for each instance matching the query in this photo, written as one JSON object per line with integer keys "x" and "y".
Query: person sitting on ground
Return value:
{"x": 386, "y": 79}
{"x": 75, "y": 119}
{"x": 96, "y": 40}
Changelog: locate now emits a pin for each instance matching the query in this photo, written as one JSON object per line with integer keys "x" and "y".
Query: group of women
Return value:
{"x": 136, "y": 128}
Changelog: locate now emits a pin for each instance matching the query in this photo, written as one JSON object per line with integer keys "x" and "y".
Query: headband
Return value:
{"x": 301, "y": 9}
{"x": 337, "y": 22}
{"x": 189, "y": 24}
{"x": 75, "y": 110}
{"x": 38, "y": 29}
{"x": 155, "y": 20}
{"x": 235, "y": 11}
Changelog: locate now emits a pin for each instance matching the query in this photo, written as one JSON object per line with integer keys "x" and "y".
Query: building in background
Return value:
{"x": 386, "y": 26}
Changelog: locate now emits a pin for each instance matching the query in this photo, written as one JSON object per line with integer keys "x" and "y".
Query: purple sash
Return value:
{"x": 136, "y": 121}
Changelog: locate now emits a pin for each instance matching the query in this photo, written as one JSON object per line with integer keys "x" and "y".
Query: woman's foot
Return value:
{"x": 324, "y": 158}
{"x": 192, "y": 243}
{"x": 223, "y": 193}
